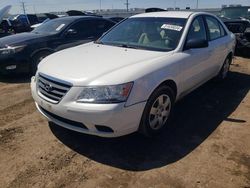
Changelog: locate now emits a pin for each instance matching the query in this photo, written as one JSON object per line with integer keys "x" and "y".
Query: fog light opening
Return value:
{"x": 11, "y": 67}
{"x": 102, "y": 128}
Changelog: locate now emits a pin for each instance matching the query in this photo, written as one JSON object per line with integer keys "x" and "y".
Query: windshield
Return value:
{"x": 236, "y": 12}
{"x": 52, "y": 26}
{"x": 159, "y": 34}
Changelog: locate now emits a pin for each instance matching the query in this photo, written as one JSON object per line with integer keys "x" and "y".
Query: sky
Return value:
{"x": 39, "y": 6}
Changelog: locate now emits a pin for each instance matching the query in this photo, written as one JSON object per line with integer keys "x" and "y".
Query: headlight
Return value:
{"x": 11, "y": 50}
{"x": 105, "y": 94}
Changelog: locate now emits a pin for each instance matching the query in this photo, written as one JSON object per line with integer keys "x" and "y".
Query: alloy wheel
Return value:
{"x": 159, "y": 112}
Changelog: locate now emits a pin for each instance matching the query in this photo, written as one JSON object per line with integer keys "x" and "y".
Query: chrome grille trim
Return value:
{"x": 52, "y": 89}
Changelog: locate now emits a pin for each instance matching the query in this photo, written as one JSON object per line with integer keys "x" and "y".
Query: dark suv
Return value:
{"x": 21, "y": 53}
{"x": 237, "y": 20}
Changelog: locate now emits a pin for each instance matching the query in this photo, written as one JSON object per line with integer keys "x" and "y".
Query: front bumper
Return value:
{"x": 14, "y": 64}
{"x": 71, "y": 115}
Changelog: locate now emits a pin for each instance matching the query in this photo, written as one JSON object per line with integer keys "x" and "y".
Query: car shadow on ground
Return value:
{"x": 195, "y": 118}
{"x": 15, "y": 79}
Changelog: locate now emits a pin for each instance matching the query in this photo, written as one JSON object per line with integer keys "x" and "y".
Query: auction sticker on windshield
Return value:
{"x": 60, "y": 27}
{"x": 171, "y": 27}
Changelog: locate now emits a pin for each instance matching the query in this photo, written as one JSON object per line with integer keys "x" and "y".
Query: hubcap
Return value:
{"x": 225, "y": 69}
{"x": 159, "y": 112}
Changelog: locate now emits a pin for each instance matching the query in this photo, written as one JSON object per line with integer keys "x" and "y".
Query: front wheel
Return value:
{"x": 37, "y": 59}
{"x": 157, "y": 111}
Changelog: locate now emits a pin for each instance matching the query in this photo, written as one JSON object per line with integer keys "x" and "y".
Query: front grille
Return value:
{"x": 51, "y": 89}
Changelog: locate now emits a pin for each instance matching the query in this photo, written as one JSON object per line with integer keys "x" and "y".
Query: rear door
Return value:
{"x": 217, "y": 43}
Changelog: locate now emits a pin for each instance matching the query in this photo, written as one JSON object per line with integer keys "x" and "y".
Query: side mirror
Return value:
{"x": 196, "y": 43}
{"x": 71, "y": 32}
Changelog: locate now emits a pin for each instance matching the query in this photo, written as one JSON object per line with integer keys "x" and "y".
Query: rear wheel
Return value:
{"x": 224, "y": 69}
{"x": 157, "y": 111}
{"x": 37, "y": 58}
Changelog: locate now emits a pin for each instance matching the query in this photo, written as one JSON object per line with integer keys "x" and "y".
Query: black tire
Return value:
{"x": 148, "y": 119}
{"x": 36, "y": 59}
{"x": 224, "y": 69}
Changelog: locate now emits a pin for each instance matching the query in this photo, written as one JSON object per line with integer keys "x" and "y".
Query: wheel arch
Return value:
{"x": 171, "y": 83}
{"x": 41, "y": 50}
{"x": 230, "y": 56}
{"x": 36, "y": 52}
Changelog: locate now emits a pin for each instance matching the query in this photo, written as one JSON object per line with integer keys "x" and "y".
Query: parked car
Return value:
{"x": 22, "y": 22}
{"x": 4, "y": 23}
{"x": 237, "y": 20}
{"x": 37, "y": 25}
{"x": 154, "y": 10}
{"x": 75, "y": 13}
{"x": 130, "y": 79}
{"x": 21, "y": 53}
{"x": 5, "y": 28}
{"x": 45, "y": 16}
{"x": 116, "y": 19}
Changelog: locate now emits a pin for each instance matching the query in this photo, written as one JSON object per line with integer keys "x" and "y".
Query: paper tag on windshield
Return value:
{"x": 248, "y": 10}
{"x": 171, "y": 27}
{"x": 60, "y": 27}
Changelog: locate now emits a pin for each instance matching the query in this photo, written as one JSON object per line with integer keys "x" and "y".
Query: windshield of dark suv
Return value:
{"x": 53, "y": 26}
{"x": 158, "y": 34}
{"x": 236, "y": 12}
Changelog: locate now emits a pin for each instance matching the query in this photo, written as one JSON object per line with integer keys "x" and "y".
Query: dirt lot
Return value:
{"x": 207, "y": 144}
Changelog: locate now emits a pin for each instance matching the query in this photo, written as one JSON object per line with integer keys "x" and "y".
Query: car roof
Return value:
{"x": 168, "y": 14}
{"x": 73, "y": 18}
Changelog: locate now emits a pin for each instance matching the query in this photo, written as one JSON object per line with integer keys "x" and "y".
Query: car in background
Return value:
{"x": 37, "y": 25}
{"x": 116, "y": 19}
{"x": 43, "y": 18}
{"x": 5, "y": 25}
{"x": 237, "y": 20}
{"x": 154, "y": 10}
{"x": 22, "y": 22}
{"x": 6, "y": 28}
{"x": 21, "y": 53}
{"x": 130, "y": 78}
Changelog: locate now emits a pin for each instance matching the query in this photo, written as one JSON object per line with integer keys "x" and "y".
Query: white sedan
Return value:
{"x": 130, "y": 78}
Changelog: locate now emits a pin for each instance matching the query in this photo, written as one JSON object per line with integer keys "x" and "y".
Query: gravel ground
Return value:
{"x": 206, "y": 145}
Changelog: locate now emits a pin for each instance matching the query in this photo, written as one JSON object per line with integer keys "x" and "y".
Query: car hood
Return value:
{"x": 19, "y": 39}
{"x": 4, "y": 11}
{"x": 84, "y": 64}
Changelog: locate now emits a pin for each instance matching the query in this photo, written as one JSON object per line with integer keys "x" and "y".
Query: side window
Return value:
{"x": 82, "y": 30}
{"x": 222, "y": 30}
{"x": 197, "y": 29}
{"x": 214, "y": 28}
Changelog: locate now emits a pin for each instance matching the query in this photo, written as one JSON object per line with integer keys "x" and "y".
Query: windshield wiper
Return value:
{"x": 126, "y": 46}
{"x": 98, "y": 42}
{"x": 119, "y": 45}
